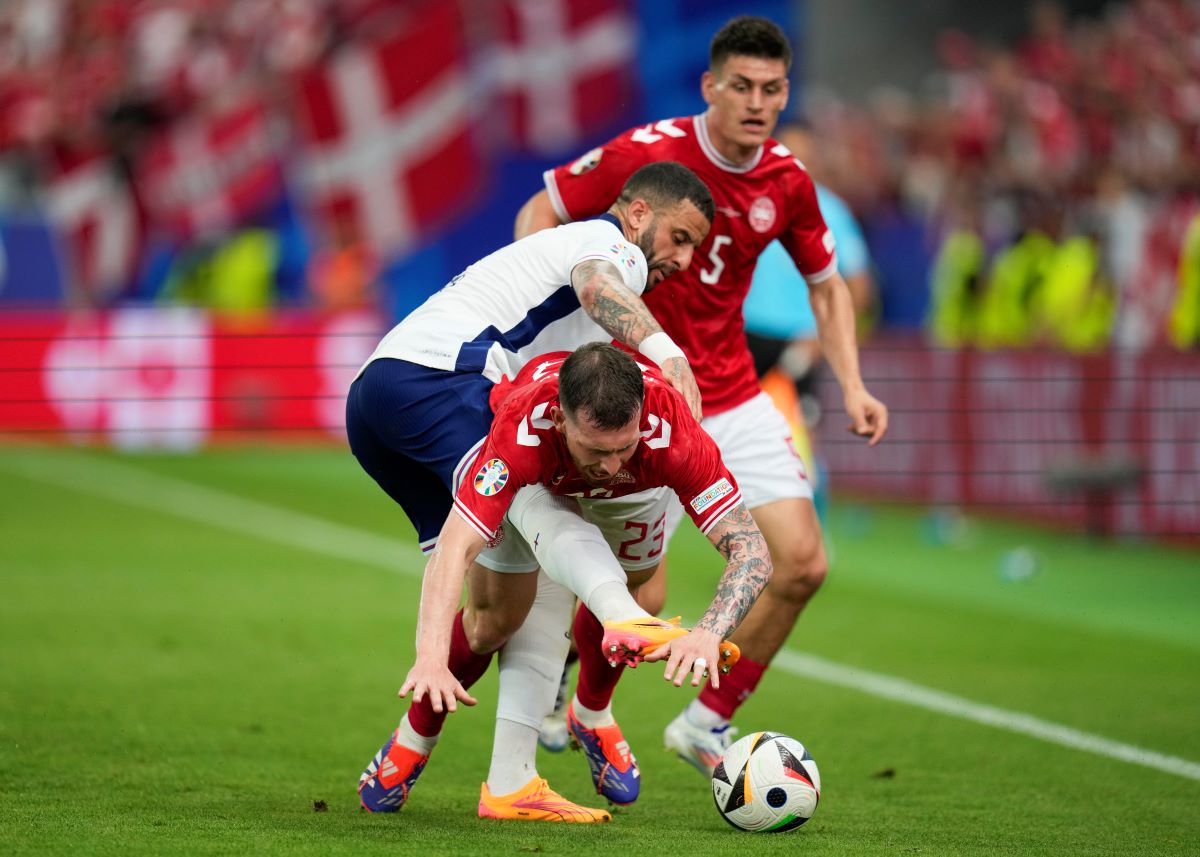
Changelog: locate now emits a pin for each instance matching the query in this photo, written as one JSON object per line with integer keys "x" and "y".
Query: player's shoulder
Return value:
{"x": 653, "y": 138}
{"x": 778, "y": 160}
{"x": 591, "y": 229}
{"x": 522, "y": 421}
{"x": 536, "y": 382}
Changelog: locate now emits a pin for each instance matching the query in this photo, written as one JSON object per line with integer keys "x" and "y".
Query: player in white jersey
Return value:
{"x": 517, "y": 302}
{"x": 419, "y": 408}
{"x": 420, "y": 403}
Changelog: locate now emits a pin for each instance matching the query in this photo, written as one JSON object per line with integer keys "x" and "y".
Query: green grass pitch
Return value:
{"x": 197, "y": 649}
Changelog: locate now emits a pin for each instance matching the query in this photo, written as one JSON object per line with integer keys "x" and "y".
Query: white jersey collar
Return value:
{"x": 710, "y": 151}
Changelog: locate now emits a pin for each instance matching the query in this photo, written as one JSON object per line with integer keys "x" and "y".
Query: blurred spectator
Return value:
{"x": 343, "y": 271}
{"x": 1185, "y": 315}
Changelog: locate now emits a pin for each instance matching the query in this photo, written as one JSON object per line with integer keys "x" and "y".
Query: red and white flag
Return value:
{"x": 93, "y": 208}
{"x": 386, "y": 127}
{"x": 565, "y": 68}
{"x": 212, "y": 172}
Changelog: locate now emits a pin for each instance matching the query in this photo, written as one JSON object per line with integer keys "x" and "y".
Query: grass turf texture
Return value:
{"x": 175, "y": 687}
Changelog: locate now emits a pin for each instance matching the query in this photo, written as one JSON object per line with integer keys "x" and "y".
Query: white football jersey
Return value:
{"x": 515, "y": 304}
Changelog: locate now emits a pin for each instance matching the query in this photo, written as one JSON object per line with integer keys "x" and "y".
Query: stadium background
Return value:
{"x": 209, "y": 212}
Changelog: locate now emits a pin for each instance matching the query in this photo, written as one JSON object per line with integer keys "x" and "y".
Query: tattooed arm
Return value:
{"x": 747, "y": 570}
{"x": 613, "y": 305}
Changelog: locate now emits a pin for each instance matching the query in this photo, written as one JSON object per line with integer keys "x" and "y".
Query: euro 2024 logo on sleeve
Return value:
{"x": 624, "y": 253}
{"x": 491, "y": 477}
{"x": 587, "y": 163}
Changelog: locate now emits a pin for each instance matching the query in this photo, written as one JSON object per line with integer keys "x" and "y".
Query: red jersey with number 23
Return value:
{"x": 523, "y": 447}
{"x": 770, "y": 196}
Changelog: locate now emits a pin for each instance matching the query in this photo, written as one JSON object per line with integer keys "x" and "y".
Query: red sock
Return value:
{"x": 735, "y": 688}
{"x": 597, "y": 679}
{"x": 467, "y": 668}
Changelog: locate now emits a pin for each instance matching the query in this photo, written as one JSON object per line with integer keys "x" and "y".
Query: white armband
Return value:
{"x": 660, "y": 348}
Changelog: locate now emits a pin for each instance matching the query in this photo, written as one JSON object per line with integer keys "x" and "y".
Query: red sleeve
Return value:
{"x": 806, "y": 237}
{"x": 501, "y": 468}
{"x": 589, "y": 185}
{"x": 693, "y": 468}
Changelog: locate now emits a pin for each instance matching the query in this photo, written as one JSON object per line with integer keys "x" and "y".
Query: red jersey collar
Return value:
{"x": 710, "y": 151}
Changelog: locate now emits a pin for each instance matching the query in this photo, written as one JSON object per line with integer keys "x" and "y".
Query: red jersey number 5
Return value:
{"x": 713, "y": 274}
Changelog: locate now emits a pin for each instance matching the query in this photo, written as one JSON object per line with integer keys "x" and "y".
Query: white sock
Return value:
{"x": 531, "y": 665}
{"x": 611, "y": 602}
{"x": 531, "y": 662}
{"x": 699, "y": 714}
{"x": 590, "y": 717}
{"x": 514, "y": 752}
{"x": 408, "y": 737}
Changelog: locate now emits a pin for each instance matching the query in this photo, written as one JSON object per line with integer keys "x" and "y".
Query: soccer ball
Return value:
{"x": 766, "y": 782}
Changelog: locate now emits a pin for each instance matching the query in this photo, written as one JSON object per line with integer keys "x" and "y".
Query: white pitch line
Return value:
{"x": 215, "y": 508}
{"x": 899, "y": 690}
{"x": 293, "y": 529}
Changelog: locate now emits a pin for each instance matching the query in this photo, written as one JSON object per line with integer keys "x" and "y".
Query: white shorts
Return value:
{"x": 634, "y": 527}
{"x": 756, "y": 445}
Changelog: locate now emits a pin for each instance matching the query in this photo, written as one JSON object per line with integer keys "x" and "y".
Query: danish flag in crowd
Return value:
{"x": 97, "y": 218}
{"x": 212, "y": 172}
{"x": 386, "y": 129}
{"x": 565, "y": 68}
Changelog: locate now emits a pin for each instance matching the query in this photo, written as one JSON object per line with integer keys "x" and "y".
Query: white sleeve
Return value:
{"x": 603, "y": 241}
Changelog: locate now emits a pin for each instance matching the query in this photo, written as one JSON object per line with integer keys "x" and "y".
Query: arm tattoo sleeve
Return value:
{"x": 747, "y": 570}
{"x": 605, "y": 297}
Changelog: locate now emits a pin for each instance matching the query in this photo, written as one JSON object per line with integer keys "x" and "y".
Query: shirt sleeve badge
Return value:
{"x": 491, "y": 477}
{"x": 587, "y": 163}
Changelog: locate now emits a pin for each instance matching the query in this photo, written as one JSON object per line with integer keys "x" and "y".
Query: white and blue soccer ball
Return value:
{"x": 766, "y": 782}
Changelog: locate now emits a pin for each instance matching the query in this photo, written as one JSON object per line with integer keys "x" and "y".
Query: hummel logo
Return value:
{"x": 728, "y": 212}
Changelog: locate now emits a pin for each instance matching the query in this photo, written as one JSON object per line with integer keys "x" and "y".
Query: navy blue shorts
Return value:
{"x": 410, "y": 426}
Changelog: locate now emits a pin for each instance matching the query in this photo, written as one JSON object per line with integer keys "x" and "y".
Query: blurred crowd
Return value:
{"x": 242, "y": 154}
{"x": 1055, "y": 180}
{"x": 103, "y": 80}
{"x": 81, "y": 73}
{"x": 1038, "y": 193}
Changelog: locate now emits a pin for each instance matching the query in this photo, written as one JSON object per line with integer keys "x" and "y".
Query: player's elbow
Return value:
{"x": 587, "y": 290}
{"x": 862, "y": 291}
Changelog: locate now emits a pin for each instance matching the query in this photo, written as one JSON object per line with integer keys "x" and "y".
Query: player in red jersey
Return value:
{"x": 761, "y": 193}
{"x": 595, "y": 435}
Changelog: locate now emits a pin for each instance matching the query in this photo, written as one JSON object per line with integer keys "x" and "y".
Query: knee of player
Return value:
{"x": 489, "y": 632}
{"x": 800, "y": 569}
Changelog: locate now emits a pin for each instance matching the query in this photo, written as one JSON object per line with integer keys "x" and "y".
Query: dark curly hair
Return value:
{"x": 749, "y": 36}
{"x": 665, "y": 184}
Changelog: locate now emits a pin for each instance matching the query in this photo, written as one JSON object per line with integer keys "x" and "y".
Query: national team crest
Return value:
{"x": 762, "y": 214}
{"x": 588, "y": 162}
{"x": 491, "y": 477}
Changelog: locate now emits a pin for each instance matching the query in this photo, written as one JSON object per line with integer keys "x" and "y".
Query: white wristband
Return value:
{"x": 660, "y": 348}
